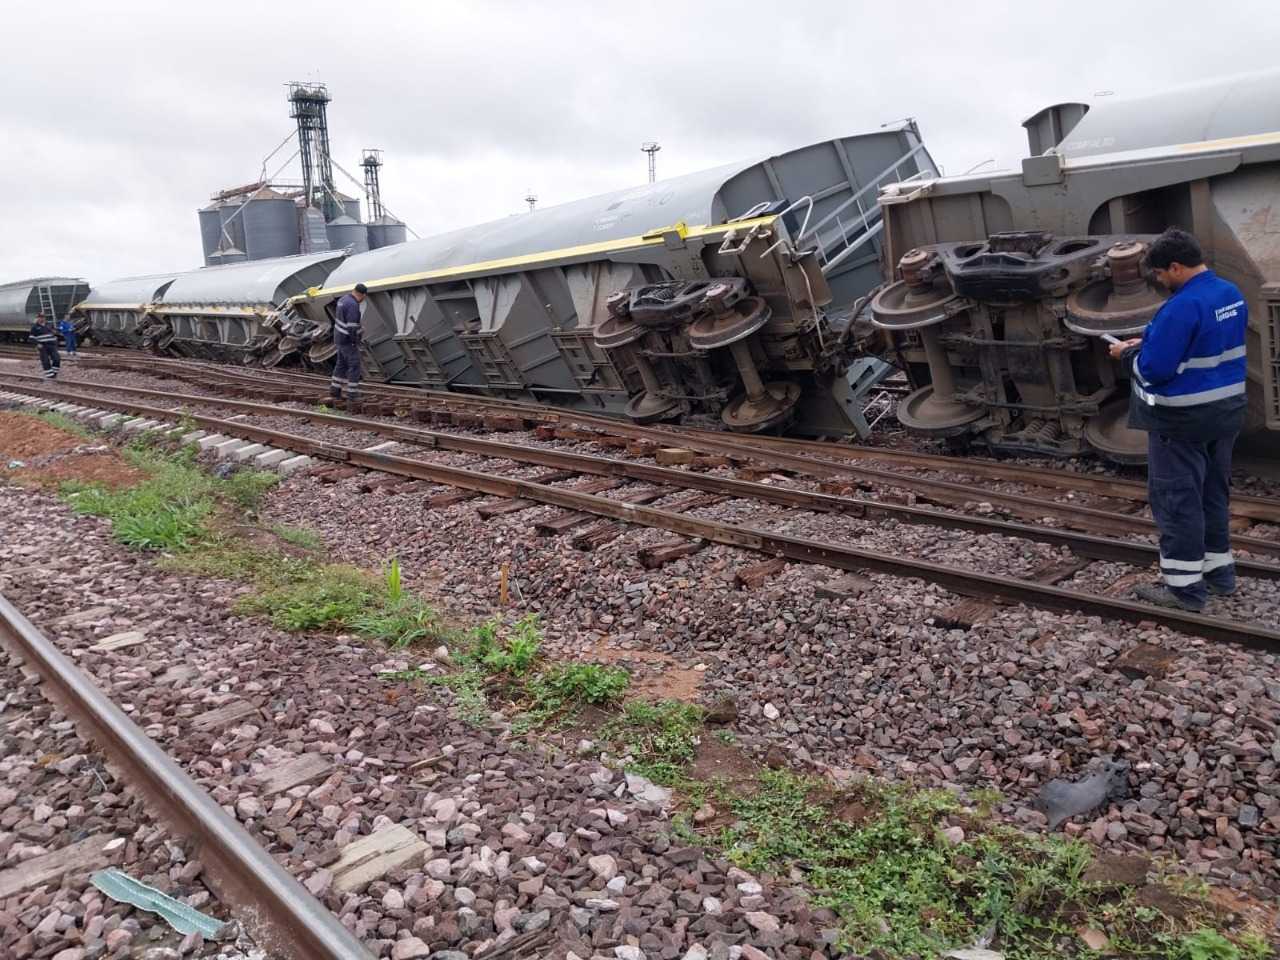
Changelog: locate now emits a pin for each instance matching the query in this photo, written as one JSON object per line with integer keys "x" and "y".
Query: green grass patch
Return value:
{"x": 504, "y": 661}
{"x": 657, "y": 740}
{"x": 314, "y": 597}
{"x": 298, "y": 536}
{"x": 557, "y": 694}
{"x": 59, "y": 420}
{"x": 901, "y": 889}
{"x": 401, "y": 623}
{"x": 171, "y": 509}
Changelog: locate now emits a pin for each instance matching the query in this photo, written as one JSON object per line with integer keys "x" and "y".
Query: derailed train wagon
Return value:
{"x": 711, "y": 297}
{"x": 21, "y": 300}
{"x": 1005, "y": 283}
{"x": 230, "y": 313}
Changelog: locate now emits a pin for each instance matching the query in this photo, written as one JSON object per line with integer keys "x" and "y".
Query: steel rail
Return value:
{"x": 1083, "y": 545}
{"x": 797, "y": 549}
{"x": 280, "y": 914}
{"x": 1086, "y": 518}
{"x": 771, "y": 451}
{"x": 1243, "y": 505}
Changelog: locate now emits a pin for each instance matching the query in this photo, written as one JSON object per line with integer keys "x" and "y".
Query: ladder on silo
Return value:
{"x": 45, "y": 294}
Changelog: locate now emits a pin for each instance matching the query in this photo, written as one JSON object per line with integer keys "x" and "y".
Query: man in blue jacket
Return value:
{"x": 1188, "y": 392}
{"x": 346, "y": 337}
{"x": 68, "y": 331}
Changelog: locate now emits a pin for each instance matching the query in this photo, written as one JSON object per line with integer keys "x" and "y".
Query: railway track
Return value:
{"x": 818, "y": 458}
{"x": 1081, "y": 544}
{"x": 831, "y": 476}
{"x": 282, "y": 916}
{"x": 578, "y": 504}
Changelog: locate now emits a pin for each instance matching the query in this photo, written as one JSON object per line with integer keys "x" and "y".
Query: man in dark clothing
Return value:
{"x": 1188, "y": 392}
{"x": 68, "y": 331}
{"x": 346, "y": 337}
{"x": 46, "y": 342}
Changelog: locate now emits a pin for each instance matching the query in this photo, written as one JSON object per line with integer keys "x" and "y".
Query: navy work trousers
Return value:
{"x": 49, "y": 360}
{"x": 346, "y": 368}
{"x": 1189, "y": 486}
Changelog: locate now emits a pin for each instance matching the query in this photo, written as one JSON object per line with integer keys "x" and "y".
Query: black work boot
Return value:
{"x": 1162, "y": 596}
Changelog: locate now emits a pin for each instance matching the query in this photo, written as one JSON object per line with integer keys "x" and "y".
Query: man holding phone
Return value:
{"x": 1188, "y": 392}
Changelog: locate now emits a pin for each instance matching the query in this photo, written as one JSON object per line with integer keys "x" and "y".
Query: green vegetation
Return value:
{"x": 172, "y": 508}
{"x": 1206, "y": 944}
{"x": 657, "y": 740}
{"x": 298, "y": 536}
{"x": 903, "y": 888}
{"x": 59, "y": 420}
{"x": 311, "y": 597}
{"x": 492, "y": 658}
{"x": 559, "y": 692}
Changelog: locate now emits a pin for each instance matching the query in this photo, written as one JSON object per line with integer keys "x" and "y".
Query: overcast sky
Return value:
{"x": 119, "y": 120}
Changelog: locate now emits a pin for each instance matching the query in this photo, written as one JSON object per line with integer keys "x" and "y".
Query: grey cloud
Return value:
{"x": 144, "y": 109}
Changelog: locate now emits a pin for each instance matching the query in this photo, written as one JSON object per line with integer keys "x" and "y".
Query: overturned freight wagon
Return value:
{"x": 116, "y": 313}
{"x": 1008, "y": 281}
{"x": 714, "y": 297}
{"x": 21, "y": 300}
{"x": 229, "y": 313}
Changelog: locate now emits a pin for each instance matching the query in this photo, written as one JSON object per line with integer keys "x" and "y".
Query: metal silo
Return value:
{"x": 270, "y": 227}
{"x": 210, "y": 229}
{"x": 232, "y": 224}
{"x": 227, "y": 255}
{"x": 385, "y": 232}
{"x": 344, "y": 232}
{"x": 351, "y": 207}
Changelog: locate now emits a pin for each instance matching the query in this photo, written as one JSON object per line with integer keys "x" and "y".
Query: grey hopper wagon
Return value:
{"x": 117, "y": 314}
{"x": 21, "y": 300}
{"x": 715, "y": 297}
{"x": 1006, "y": 282}
{"x": 231, "y": 313}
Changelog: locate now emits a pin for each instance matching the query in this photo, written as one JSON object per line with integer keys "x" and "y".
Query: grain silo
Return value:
{"x": 270, "y": 226}
{"x": 345, "y": 232}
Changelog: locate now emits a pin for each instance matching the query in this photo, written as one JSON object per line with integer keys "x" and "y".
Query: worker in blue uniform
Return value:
{"x": 68, "y": 331}
{"x": 46, "y": 342}
{"x": 1188, "y": 392}
{"x": 346, "y": 337}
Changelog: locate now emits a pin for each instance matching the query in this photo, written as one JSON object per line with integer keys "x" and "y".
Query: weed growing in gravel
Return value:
{"x": 165, "y": 512}
{"x": 170, "y": 509}
{"x": 902, "y": 889}
{"x": 298, "y": 536}
{"x": 516, "y": 655}
{"x": 246, "y": 488}
{"x": 658, "y": 740}
{"x": 488, "y": 660}
{"x": 469, "y": 702}
{"x": 558, "y": 693}
{"x": 400, "y": 624}
{"x": 317, "y": 596}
